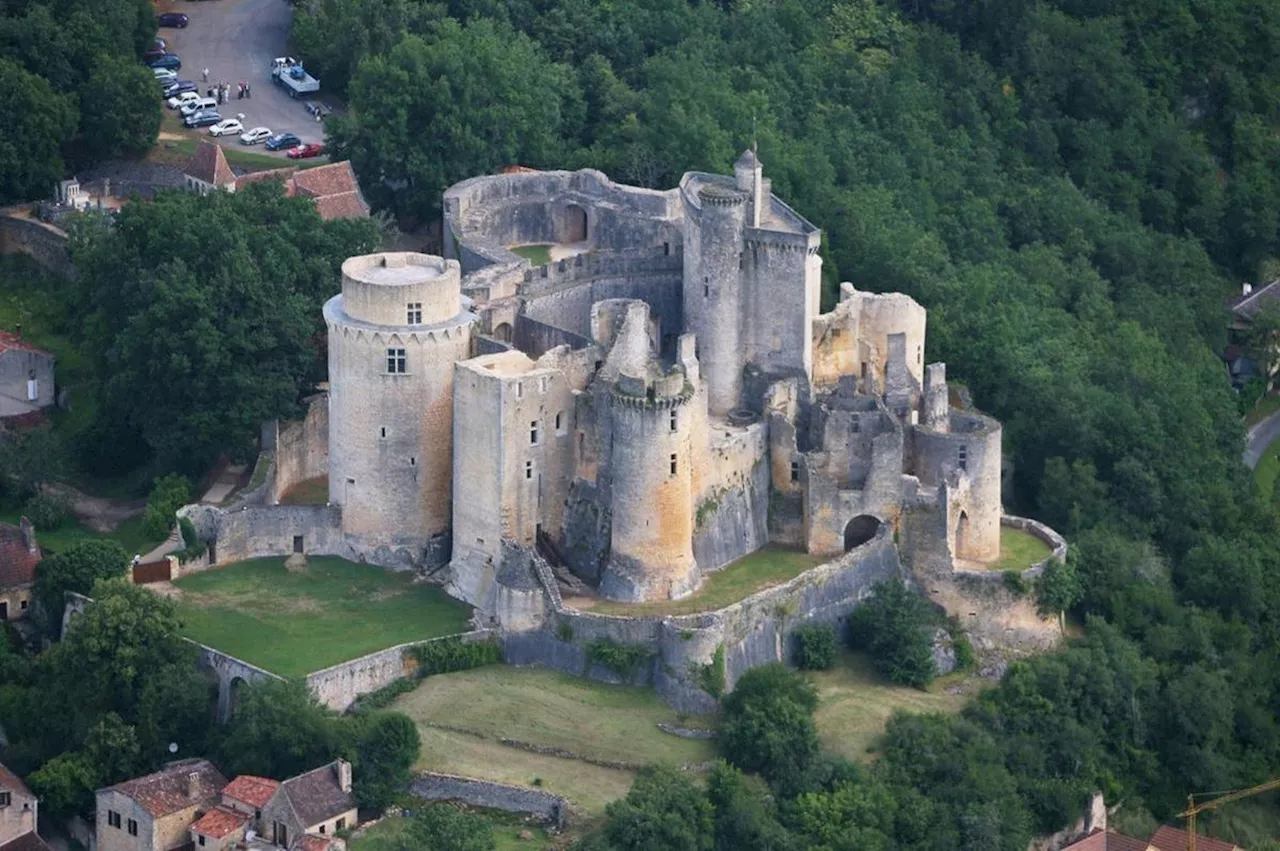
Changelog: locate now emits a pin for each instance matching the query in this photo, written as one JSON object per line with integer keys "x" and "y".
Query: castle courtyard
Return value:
{"x": 295, "y": 622}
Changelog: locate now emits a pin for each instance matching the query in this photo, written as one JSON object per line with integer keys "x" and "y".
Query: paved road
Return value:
{"x": 236, "y": 40}
{"x": 1259, "y": 438}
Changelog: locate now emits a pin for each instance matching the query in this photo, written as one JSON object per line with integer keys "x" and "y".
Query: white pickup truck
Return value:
{"x": 288, "y": 72}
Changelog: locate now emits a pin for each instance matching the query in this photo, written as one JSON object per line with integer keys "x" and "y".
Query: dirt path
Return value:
{"x": 100, "y": 515}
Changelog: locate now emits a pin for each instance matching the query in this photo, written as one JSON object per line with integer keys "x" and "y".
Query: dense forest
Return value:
{"x": 1072, "y": 188}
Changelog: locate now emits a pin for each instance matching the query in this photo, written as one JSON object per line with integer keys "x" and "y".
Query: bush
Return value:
{"x": 1015, "y": 584}
{"x": 623, "y": 659}
{"x": 385, "y": 696}
{"x": 768, "y": 725}
{"x": 965, "y": 657}
{"x": 45, "y": 512}
{"x": 454, "y": 654}
{"x": 190, "y": 539}
{"x": 711, "y": 675}
{"x": 168, "y": 494}
{"x": 816, "y": 646}
{"x": 896, "y": 628}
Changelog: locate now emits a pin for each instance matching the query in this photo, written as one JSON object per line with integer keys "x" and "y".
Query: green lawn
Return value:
{"x": 387, "y": 834}
{"x": 128, "y": 534}
{"x": 1267, "y": 470}
{"x": 762, "y": 569}
{"x": 1019, "y": 550}
{"x": 855, "y": 702}
{"x": 552, "y": 709}
{"x": 310, "y": 492}
{"x": 1266, "y": 406}
{"x": 538, "y": 255}
{"x": 293, "y": 623}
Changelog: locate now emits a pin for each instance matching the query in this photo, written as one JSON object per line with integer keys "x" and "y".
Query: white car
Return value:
{"x": 182, "y": 100}
{"x": 226, "y": 127}
{"x": 165, "y": 75}
{"x": 190, "y": 107}
{"x": 254, "y": 136}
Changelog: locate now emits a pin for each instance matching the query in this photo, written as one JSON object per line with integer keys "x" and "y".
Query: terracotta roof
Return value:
{"x": 254, "y": 791}
{"x": 29, "y": 841}
{"x": 316, "y": 795}
{"x": 1107, "y": 840}
{"x": 9, "y": 340}
{"x": 17, "y": 567}
{"x": 311, "y": 842}
{"x": 13, "y": 782}
{"x": 208, "y": 164}
{"x": 166, "y": 791}
{"x": 345, "y": 205}
{"x": 219, "y": 822}
{"x": 285, "y": 175}
{"x": 330, "y": 179}
{"x": 1172, "y": 839}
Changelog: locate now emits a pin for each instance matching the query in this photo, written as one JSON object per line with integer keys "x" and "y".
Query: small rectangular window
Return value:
{"x": 559, "y": 422}
{"x": 384, "y": 431}
{"x": 413, "y": 461}
{"x": 795, "y": 471}
{"x": 133, "y": 827}
{"x": 415, "y": 313}
{"x": 397, "y": 363}
{"x": 5, "y": 799}
{"x": 542, "y": 385}
{"x": 24, "y": 605}
{"x": 342, "y": 823}
{"x": 666, "y": 249}
{"x": 919, "y": 354}
{"x": 519, "y": 389}
{"x": 706, "y": 291}
{"x": 964, "y": 457}
{"x": 201, "y": 838}
{"x": 528, "y": 469}
{"x": 322, "y": 828}
{"x": 674, "y": 464}
{"x": 113, "y": 818}
{"x": 533, "y": 433}
{"x": 675, "y": 420}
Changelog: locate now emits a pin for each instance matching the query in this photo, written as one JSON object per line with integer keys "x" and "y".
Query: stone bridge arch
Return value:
{"x": 232, "y": 675}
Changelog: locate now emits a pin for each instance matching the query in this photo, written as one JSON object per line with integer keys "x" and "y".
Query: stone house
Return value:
{"x": 248, "y": 794}
{"x": 219, "y": 828}
{"x": 333, "y": 188}
{"x": 309, "y": 809}
{"x": 1164, "y": 839}
{"x": 208, "y": 170}
{"x": 155, "y": 812}
{"x": 19, "y": 811}
{"x": 26, "y": 376}
{"x": 19, "y": 555}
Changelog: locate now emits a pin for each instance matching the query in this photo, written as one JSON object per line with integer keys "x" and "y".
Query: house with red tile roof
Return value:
{"x": 1107, "y": 840}
{"x": 318, "y": 804}
{"x": 26, "y": 376}
{"x": 156, "y": 812}
{"x": 19, "y": 815}
{"x": 333, "y": 187}
{"x": 19, "y": 555}
{"x": 249, "y": 794}
{"x": 219, "y": 828}
{"x": 1172, "y": 839}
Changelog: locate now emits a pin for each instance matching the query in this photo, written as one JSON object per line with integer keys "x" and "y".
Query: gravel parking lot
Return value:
{"x": 236, "y": 40}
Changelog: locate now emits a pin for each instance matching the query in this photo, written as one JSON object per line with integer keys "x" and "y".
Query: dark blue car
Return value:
{"x": 283, "y": 140}
{"x": 169, "y": 60}
{"x": 178, "y": 87}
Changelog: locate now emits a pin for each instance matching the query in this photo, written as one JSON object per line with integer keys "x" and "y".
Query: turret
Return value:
{"x": 748, "y": 174}
{"x": 935, "y": 405}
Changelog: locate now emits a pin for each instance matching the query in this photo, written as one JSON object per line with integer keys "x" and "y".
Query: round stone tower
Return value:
{"x": 394, "y": 335}
{"x": 651, "y": 554}
{"x": 713, "y": 234}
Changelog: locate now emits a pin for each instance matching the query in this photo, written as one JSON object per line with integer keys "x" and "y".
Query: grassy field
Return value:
{"x": 1019, "y": 550}
{"x": 538, "y": 255}
{"x": 383, "y": 836}
{"x": 293, "y": 623}
{"x": 762, "y": 569}
{"x": 311, "y": 492}
{"x": 855, "y": 702}
{"x": 1266, "y": 406}
{"x": 551, "y": 709}
{"x": 128, "y": 534}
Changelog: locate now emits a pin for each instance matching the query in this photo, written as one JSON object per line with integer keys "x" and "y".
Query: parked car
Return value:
{"x": 169, "y": 60}
{"x": 226, "y": 127}
{"x": 283, "y": 140}
{"x": 180, "y": 100}
{"x": 153, "y": 53}
{"x": 172, "y": 19}
{"x": 302, "y": 152}
{"x": 191, "y": 107}
{"x": 164, "y": 76}
{"x": 160, "y": 43}
{"x": 202, "y": 119}
{"x": 178, "y": 87}
{"x": 254, "y": 136}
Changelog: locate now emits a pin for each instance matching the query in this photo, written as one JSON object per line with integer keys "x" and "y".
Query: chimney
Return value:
{"x": 344, "y": 774}
{"x": 1246, "y": 289}
{"x": 29, "y": 536}
{"x": 194, "y": 786}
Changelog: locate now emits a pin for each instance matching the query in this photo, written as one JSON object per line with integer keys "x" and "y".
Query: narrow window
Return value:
{"x": 397, "y": 363}
{"x": 542, "y": 385}
{"x": 675, "y": 419}
{"x": 674, "y": 464}
{"x": 413, "y": 461}
{"x": 133, "y": 827}
{"x": 384, "y": 431}
{"x": 559, "y": 419}
{"x": 519, "y": 389}
{"x": 919, "y": 354}
{"x": 964, "y": 457}
{"x": 5, "y": 799}
{"x": 533, "y": 433}
{"x": 795, "y": 471}
{"x": 24, "y": 608}
{"x": 528, "y": 469}
{"x": 113, "y": 818}
{"x": 706, "y": 291}
{"x": 342, "y": 823}
{"x": 415, "y": 313}
{"x": 201, "y": 838}
{"x": 666, "y": 249}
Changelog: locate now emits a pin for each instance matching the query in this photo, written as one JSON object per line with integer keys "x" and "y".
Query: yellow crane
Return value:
{"x": 1194, "y": 809}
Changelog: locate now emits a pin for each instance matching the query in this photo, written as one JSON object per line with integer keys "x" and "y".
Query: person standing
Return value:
{"x": 206, "y": 75}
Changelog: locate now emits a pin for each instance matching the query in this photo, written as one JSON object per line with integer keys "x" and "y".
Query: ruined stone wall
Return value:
{"x": 731, "y": 517}
{"x": 302, "y": 449}
{"x": 536, "y": 338}
{"x": 780, "y": 299}
{"x": 432, "y": 786}
{"x": 972, "y": 450}
{"x": 257, "y": 531}
{"x": 45, "y": 244}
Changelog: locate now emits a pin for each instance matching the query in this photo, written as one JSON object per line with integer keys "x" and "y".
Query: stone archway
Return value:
{"x": 859, "y": 530}
{"x": 574, "y": 224}
{"x": 503, "y": 332}
{"x": 962, "y": 535}
{"x": 234, "y": 691}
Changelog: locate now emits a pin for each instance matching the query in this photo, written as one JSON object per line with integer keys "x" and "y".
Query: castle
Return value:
{"x": 659, "y": 399}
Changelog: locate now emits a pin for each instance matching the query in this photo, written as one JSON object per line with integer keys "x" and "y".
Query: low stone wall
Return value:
{"x": 683, "y": 649}
{"x": 258, "y": 531}
{"x": 1035, "y": 528}
{"x": 430, "y": 786}
{"x": 339, "y": 685}
{"x": 45, "y": 244}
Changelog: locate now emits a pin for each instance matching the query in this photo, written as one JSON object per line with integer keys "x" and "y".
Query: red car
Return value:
{"x": 302, "y": 152}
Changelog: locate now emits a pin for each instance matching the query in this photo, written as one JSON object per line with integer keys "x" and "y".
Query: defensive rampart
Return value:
{"x": 45, "y": 244}
{"x": 430, "y": 786}
{"x": 258, "y": 531}
{"x": 302, "y": 449}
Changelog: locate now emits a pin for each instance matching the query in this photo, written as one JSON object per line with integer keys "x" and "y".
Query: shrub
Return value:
{"x": 454, "y": 654}
{"x": 623, "y": 659}
{"x": 816, "y": 646}
{"x": 564, "y": 632}
{"x": 45, "y": 512}
{"x": 168, "y": 494}
{"x": 711, "y": 675}
{"x": 385, "y": 696}
{"x": 1015, "y": 584}
{"x": 768, "y": 725}
{"x": 189, "y": 537}
{"x": 965, "y": 657}
{"x": 896, "y": 628}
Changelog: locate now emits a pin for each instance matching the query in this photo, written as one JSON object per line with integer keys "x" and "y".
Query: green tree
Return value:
{"x": 37, "y": 118}
{"x": 895, "y": 626}
{"x": 442, "y": 828}
{"x": 75, "y": 570}
{"x": 120, "y": 117}
{"x": 168, "y": 494}
{"x": 817, "y": 647}
{"x": 387, "y": 746}
{"x": 745, "y": 814}
{"x": 34, "y": 458}
{"x": 1058, "y": 589}
{"x": 768, "y": 725}
{"x": 279, "y": 730}
{"x": 663, "y": 810}
{"x": 65, "y": 785}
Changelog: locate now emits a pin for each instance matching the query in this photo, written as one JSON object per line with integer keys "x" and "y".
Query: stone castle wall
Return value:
{"x": 258, "y": 531}
{"x": 731, "y": 519}
{"x": 45, "y": 244}
{"x": 432, "y": 786}
{"x": 302, "y": 449}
